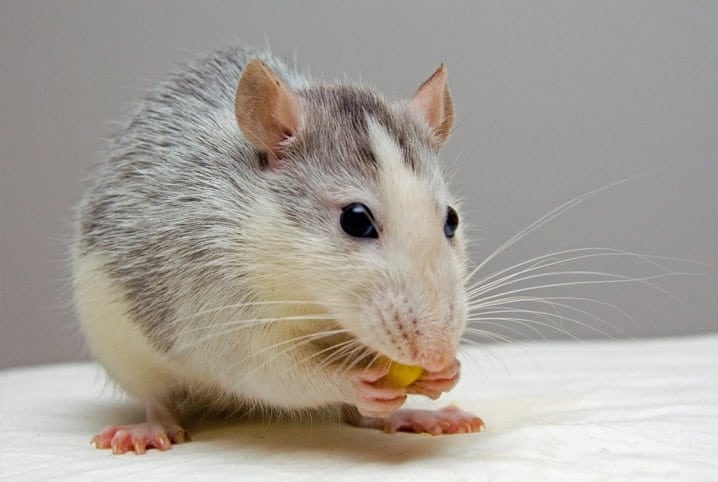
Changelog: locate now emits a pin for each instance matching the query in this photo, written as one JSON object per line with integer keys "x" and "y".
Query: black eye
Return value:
{"x": 452, "y": 222}
{"x": 357, "y": 221}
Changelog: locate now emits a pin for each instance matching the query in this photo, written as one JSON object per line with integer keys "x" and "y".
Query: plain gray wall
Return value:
{"x": 553, "y": 99}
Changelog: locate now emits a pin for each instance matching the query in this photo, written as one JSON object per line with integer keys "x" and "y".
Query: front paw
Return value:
{"x": 448, "y": 420}
{"x": 373, "y": 397}
{"x": 433, "y": 384}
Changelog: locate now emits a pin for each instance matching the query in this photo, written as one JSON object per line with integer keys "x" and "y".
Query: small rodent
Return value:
{"x": 256, "y": 240}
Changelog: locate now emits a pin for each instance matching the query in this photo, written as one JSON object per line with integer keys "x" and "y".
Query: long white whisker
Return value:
{"x": 543, "y": 299}
{"x": 299, "y": 340}
{"x": 492, "y": 322}
{"x": 336, "y": 351}
{"x": 551, "y": 301}
{"x": 238, "y": 326}
{"x": 289, "y": 344}
{"x": 616, "y": 279}
{"x": 541, "y": 264}
{"x": 545, "y": 315}
{"x": 549, "y": 216}
{"x": 523, "y": 322}
{"x": 252, "y": 304}
{"x": 548, "y": 315}
{"x": 504, "y": 281}
{"x": 341, "y": 351}
{"x": 363, "y": 351}
{"x": 488, "y": 334}
{"x": 255, "y": 322}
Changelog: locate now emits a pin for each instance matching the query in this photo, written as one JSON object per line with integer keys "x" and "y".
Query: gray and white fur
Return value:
{"x": 205, "y": 264}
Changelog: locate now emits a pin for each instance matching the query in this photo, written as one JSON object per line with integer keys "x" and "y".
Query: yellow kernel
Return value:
{"x": 401, "y": 376}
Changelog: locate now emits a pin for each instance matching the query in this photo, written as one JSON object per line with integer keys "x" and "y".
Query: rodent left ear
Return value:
{"x": 268, "y": 112}
{"x": 432, "y": 102}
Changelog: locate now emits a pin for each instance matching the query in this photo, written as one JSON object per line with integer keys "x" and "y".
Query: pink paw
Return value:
{"x": 373, "y": 397}
{"x": 433, "y": 384}
{"x": 448, "y": 420}
{"x": 139, "y": 437}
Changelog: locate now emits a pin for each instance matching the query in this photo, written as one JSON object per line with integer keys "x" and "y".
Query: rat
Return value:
{"x": 255, "y": 240}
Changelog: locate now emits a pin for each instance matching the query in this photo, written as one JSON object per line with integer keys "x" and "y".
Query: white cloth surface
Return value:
{"x": 609, "y": 410}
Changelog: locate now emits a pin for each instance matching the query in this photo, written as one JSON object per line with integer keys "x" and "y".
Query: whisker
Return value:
{"x": 485, "y": 339}
{"x": 543, "y": 299}
{"x": 541, "y": 264}
{"x": 289, "y": 344}
{"x": 495, "y": 337}
{"x": 487, "y": 334}
{"x": 255, "y": 303}
{"x": 616, "y": 279}
{"x": 549, "y": 216}
{"x": 553, "y": 301}
{"x": 527, "y": 322}
{"x": 489, "y": 322}
{"x": 302, "y": 339}
{"x": 342, "y": 351}
{"x": 550, "y": 316}
{"x": 365, "y": 353}
{"x": 238, "y": 326}
{"x": 336, "y": 351}
{"x": 256, "y": 322}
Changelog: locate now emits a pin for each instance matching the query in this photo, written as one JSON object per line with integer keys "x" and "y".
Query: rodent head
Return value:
{"x": 367, "y": 227}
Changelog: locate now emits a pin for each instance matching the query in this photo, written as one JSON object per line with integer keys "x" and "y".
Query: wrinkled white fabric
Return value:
{"x": 609, "y": 410}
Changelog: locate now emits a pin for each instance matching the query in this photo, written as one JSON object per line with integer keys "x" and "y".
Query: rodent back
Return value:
{"x": 177, "y": 187}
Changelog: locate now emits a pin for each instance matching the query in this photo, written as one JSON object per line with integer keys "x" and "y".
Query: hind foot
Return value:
{"x": 139, "y": 437}
{"x": 160, "y": 431}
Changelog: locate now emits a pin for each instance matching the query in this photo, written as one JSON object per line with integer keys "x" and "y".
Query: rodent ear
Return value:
{"x": 432, "y": 102}
{"x": 268, "y": 112}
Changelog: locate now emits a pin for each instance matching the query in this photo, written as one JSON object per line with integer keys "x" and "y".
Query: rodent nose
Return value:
{"x": 435, "y": 359}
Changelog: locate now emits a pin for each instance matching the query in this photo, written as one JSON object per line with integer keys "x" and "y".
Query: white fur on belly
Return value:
{"x": 114, "y": 339}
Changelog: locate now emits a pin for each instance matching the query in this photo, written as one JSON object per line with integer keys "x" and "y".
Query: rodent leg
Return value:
{"x": 448, "y": 420}
{"x": 160, "y": 431}
{"x": 433, "y": 384}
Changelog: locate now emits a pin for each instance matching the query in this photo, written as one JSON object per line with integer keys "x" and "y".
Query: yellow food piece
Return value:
{"x": 401, "y": 376}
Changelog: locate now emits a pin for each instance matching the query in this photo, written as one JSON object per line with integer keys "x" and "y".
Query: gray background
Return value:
{"x": 553, "y": 99}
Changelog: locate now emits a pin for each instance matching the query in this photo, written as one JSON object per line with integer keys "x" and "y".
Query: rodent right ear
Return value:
{"x": 268, "y": 112}
{"x": 433, "y": 103}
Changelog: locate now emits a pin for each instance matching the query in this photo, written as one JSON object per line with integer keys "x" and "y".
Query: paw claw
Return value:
{"x": 162, "y": 442}
{"x": 96, "y": 442}
{"x": 181, "y": 436}
{"x": 139, "y": 446}
{"x": 118, "y": 448}
{"x": 138, "y": 438}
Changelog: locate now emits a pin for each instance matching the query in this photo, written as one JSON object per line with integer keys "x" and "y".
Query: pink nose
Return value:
{"x": 435, "y": 359}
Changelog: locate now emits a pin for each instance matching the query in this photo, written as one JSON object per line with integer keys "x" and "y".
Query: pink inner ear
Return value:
{"x": 430, "y": 106}
{"x": 287, "y": 112}
{"x": 429, "y": 98}
{"x": 433, "y": 103}
{"x": 268, "y": 112}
